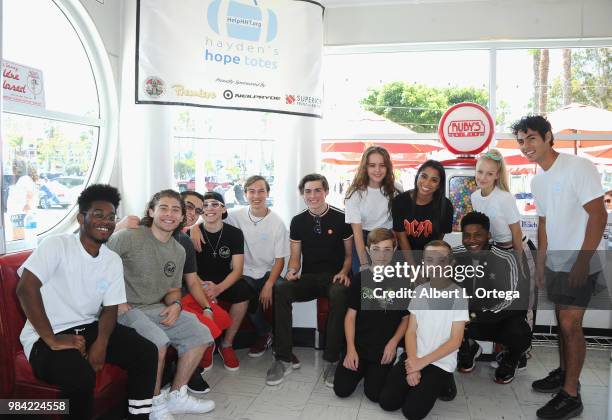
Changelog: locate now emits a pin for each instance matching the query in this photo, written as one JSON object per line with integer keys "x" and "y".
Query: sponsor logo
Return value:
{"x": 466, "y": 128}
{"x": 303, "y": 100}
{"x": 228, "y": 94}
{"x": 224, "y": 252}
{"x": 240, "y": 20}
{"x": 154, "y": 87}
{"x": 181, "y": 90}
{"x": 169, "y": 268}
{"x": 289, "y": 99}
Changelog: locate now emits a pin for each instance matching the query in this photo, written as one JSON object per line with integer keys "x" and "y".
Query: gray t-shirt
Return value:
{"x": 150, "y": 267}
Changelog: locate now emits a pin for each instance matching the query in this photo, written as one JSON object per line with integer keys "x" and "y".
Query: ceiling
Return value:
{"x": 351, "y": 3}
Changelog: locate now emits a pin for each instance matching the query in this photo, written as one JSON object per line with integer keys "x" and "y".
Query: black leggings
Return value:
{"x": 373, "y": 373}
{"x": 415, "y": 402}
{"x": 76, "y": 379}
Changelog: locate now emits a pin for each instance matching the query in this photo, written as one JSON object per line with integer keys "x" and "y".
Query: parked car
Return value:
{"x": 60, "y": 192}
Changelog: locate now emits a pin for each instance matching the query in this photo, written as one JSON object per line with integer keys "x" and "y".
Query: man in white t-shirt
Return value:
{"x": 69, "y": 290}
{"x": 569, "y": 201}
{"x": 266, "y": 246}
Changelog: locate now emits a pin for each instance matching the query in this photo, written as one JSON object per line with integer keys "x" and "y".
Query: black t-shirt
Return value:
{"x": 375, "y": 325}
{"x": 419, "y": 222}
{"x": 225, "y": 243}
{"x": 190, "y": 254}
{"x": 323, "y": 242}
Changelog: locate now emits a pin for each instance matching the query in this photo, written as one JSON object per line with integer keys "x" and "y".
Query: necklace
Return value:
{"x": 260, "y": 219}
{"x": 210, "y": 244}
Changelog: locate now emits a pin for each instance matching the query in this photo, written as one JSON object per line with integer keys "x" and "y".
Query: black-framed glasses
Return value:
{"x": 192, "y": 207}
{"x": 317, "y": 225}
{"x": 100, "y": 217}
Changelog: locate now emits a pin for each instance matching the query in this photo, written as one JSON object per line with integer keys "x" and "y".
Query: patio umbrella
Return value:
{"x": 400, "y": 160}
{"x": 602, "y": 154}
{"x": 359, "y": 146}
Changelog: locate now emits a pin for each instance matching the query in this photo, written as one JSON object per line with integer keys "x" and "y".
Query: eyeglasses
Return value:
{"x": 317, "y": 225}
{"x": 100, "y": 217}
{"x": 192, "y": 207}
{"x": 212, "y": 204}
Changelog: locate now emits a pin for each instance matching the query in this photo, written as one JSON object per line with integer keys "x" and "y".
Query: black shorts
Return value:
{"x": 238, "y": 292}
{"x": 560, "y": 292}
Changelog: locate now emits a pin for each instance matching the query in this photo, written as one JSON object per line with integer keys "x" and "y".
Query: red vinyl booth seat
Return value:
{"x": 16, "y": 377}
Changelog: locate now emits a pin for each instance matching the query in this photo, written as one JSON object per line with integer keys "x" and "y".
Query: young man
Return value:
{"x": 153, "y": 264}
{"x": 266, "y": 246}
{"x": 495, "y": 319}
{"x": 321, "y": 245}
{"x": 220, "y": 265}
{"x": 569, "y": 201}
{"x": 67, "y": 338}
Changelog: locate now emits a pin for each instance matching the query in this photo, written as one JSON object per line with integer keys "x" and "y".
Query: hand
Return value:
{"x": 578, "y": 274}
{"x": 68, "y": 341}
{"x": 389, "y": 353}
{"x": 97, "y": 355}
{"x": 413, "y": 379}
{"x": 123, "y": 308}
{"x": 128, "y": 222}
{"x": 196, "y": 237}
{"x": 265, "y": 296}
{"x": 170, "y": 315}
{"x": 212, "y": 290}
{"x": 351, "y": 360}
{"x": 414, "y": 364}
{"x": 292, "y": 275}
{"x": 342, "y": 279}
{"x": 364, "y": 267}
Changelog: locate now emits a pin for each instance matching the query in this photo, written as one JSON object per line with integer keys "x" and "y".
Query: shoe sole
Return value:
{"x": 258, "y": 354}
{"x": 569, "y": 415}
{"x": 278, "y": 381}
{"x": 476, "y": 356}
{"x": 207, "y": 368}
{"x": 502, "y": 382}
{"x": 208, "y": 410}
{"x": 296, "y": 365}
{"x": 547, "y": 391}
{"x": 495, "y": 365}
{"x": 206, "y": 391}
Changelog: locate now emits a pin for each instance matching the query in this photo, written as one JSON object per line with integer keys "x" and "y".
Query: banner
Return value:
{"x": 256, "y": 55}
{"x": 22, "y": 84}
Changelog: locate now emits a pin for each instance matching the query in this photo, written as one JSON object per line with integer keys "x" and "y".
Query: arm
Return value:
{"x": 128, "y": 222}
{"x": 196, "y": 236}
{"x": 351, "y": 360}
{"x": 265, "y": 296}
{"x": 294, "y": 265}
{"x": 172, "y": 310}
{"x": 541, "y": 256}
{"x": 28, "y": 292}
{"x": 596, "y": 224}
{"x": 517, "y": 239}
{"x": 449, "y": 346}
{"x": 233, "y": 276}
{"x": 106, "y": 325}
{"x": 359, "y": 243}
{"x": 413, "y": 378}
{"x": 343, "y": 276}
{"x": 194, "y": 286}
{"x": 391, "y": 347}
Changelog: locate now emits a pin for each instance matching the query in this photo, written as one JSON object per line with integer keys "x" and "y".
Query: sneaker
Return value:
{"x": 295, "y": 362}
{"x": 277, "y": 372}
{"x": 329, "y": 374}
{"x": 451, "y": 391}
{"x": 262, "y": 343}
{"x": 467, "y": 355}
{"x": 159, "y": 409}
{"x": 562, "y": 406}
{"x": 522, "y": 364}
{"x": 207, "y": 359}
{"x": 552, "y": 383}
{"x": 197, "y": 384}
{"x": 180, "y": 401}
{"x": 504, "y": 374}
{"x": 230, "y": 361}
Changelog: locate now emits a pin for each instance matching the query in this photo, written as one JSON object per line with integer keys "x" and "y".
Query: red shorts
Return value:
{"x": 221, "y": 319}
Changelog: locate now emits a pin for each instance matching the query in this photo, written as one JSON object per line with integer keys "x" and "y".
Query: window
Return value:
{"x": 50, "y": 147}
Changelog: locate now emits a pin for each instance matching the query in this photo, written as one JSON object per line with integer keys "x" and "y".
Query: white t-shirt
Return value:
{"x": 559, "y": 194}
{"x": 500, "y": 207}
{"x": 75, "y": 284}
{"x": 435, "y": 319}
{"x": 370, "y": 208}
{"x": 263, "y": 242}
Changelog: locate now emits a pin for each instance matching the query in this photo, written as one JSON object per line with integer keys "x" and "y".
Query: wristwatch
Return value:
{"x": 178, "y": 302}
{"x": 207, "y": 309}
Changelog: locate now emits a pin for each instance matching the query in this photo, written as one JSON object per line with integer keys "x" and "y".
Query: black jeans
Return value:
{"x": 76, "y": 379}
{"x": 415, "y": 402}
{"x": 512, "y": 331}
{"x": 309, "y": 287}
{"x": 373, "y": 374}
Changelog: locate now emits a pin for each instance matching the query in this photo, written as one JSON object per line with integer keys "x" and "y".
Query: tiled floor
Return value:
{"x": 243, "y": 395}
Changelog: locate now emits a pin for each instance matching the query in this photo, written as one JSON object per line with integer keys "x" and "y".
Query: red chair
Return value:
{"x": 16, "y": 377}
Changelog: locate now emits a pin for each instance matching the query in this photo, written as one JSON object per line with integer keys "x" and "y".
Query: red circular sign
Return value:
{"x": 466, "y": 128}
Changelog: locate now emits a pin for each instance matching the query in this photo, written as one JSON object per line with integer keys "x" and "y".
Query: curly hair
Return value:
{"x": 476, "y": 218}
{"x": 98, "y": 192}
{"x": 148, "y": 220}
{"x": 537, "y": 123}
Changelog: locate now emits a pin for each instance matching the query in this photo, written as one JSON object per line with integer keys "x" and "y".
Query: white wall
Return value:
{"x": 468, "y": 21}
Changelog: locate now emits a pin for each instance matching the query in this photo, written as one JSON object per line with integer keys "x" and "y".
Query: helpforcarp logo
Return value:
{"x": 243, "y": 20}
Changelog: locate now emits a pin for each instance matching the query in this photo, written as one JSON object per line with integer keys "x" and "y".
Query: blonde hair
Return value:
{"x": 493, "y": 155}
{"x": 380, "y": 234}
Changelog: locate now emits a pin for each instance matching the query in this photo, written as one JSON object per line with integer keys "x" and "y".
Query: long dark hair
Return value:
{"x": 439, "y": 196}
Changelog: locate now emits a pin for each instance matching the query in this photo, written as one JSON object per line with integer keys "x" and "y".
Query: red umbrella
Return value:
{"x": 604, "y": 154}
{"x": 359, "y": 146}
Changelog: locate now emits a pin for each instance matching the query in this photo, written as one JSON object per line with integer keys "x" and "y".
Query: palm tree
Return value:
{"x": 536, "y": 80}
{"x": 544, "y": 64}
{"x": 567, "y": 76}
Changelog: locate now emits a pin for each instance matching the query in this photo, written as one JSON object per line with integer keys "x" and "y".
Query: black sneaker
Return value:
{"x": 561, "y": 407}
{"x": 504, "y": 374}
{"x": 451, "y": 392}
{"x": 467, "y": 355}
{"x": 552, "y": 383}
{"x": 522, "y": 364}
{"x": 197, "y": 384}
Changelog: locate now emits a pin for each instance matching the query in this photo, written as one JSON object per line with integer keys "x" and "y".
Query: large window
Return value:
{"x": 50, "y": 145}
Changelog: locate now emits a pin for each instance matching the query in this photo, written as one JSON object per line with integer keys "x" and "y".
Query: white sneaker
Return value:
{"x": 180, "y": 401}
{"x": 159, "y": 409}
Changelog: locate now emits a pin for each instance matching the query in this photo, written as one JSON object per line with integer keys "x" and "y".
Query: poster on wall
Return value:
{"x": 22, "y": 84}
{"x": 257, "y": 55}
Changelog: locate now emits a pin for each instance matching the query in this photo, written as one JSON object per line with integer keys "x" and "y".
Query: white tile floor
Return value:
{"x": 243, "y": 395}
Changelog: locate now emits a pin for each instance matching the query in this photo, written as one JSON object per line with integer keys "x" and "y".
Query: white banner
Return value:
{"x": 258, "y": 55}
{"x": 22, "y": 84}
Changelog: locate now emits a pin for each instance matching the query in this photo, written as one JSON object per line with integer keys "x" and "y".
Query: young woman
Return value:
{"x": 368, "y": 200}
{"x": 435, "y": 331}
{"x": 494, "y": 199}
{"x": 423, "y": 214}
{"x": 372, "y": 328}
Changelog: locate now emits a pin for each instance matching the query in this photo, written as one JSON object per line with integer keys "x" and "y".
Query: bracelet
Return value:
{"x": 207, "y": 309}
{"x": 178, "y": 302}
